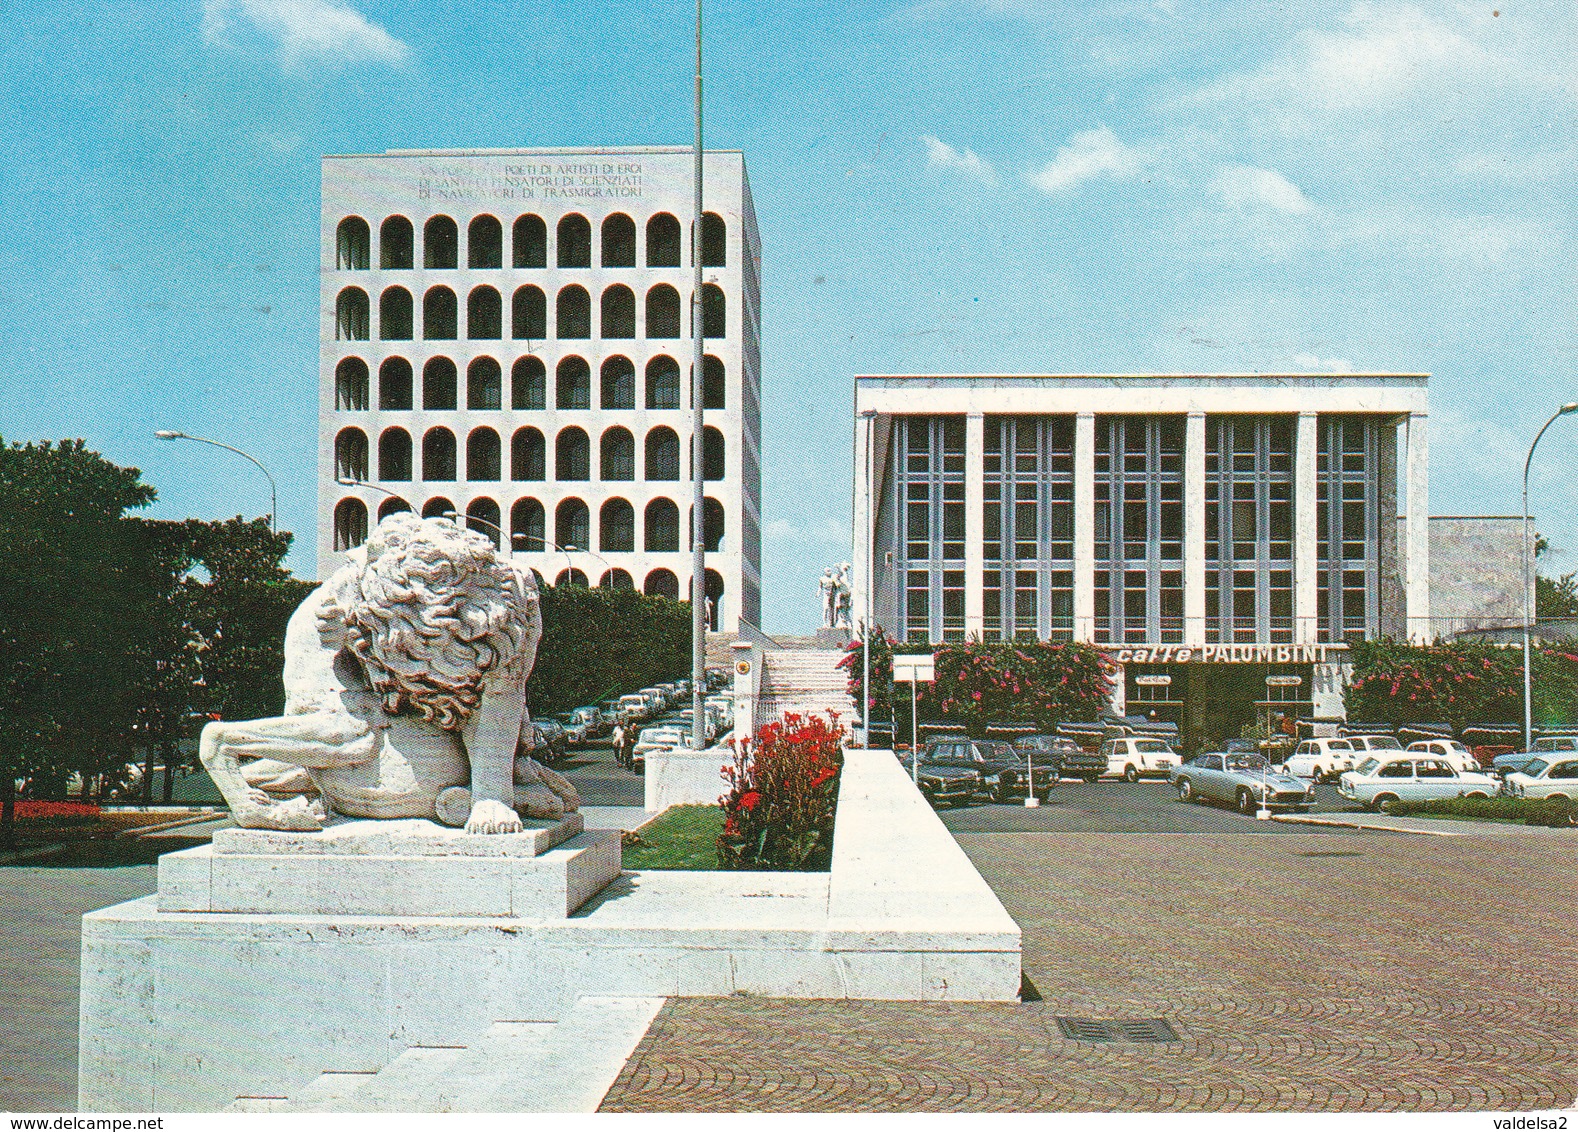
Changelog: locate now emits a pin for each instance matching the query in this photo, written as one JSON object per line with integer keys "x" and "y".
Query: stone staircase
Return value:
{"x": 804, "y": 681}
{"x": 564, "y": 1066}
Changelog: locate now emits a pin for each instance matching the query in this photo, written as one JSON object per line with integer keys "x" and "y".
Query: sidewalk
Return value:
{"x": 1440, "y": 827}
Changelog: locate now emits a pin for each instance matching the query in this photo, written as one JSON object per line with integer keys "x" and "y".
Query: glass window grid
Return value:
{"x": 1249, "y": 518}
{"x": 1348, "y": 527}
{"x": 929, "y": 506}
{"x": 1028, "y": 543}
{"x": 1139, "y": 528}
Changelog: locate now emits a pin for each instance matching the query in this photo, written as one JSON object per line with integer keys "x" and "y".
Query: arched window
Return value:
{"x": 394, "y": 384}
{"x": 662, "y": 526}
{"x": 618, "y": 457}
{"x": 396, "y": 320}
{"x": 350, "y": 385}
{"x": 619, "y": 312}
{"x": 438, "y": 455}
{"x": 484, "y": 385}
{"x": 437, "y": 508}
{"x": 394, "y": 455}
{"x": 662, "y": 454}
{"x": 526, "y": 526}
{"x": 529, "y": 384}
{"x": 574, "y": 576}
{"x": 714, "y": 312}
{"x": 663, "y": 383}
{"x": 573, "y": 318}
{"x": 439, "y": 379}
{"x": 485, "y": 242}
{"x": 713, "y": 583}
{"x": 662, "y": 583}
{"x": 572, "y": 456}
{"x": 575, "y": 241}
{"x": 712, "y": 532}
{"x": 616, "y": 526}
{"x": 662, "y": 312}
{"x": 663, "y": 241}
{"x": 390, "y": 505}
{"x": 350, "y": 454}
{"x": 528, "y": 460}
{"x": 484, "y": 313}
{"x": 572, "y": 384}
{"x": 396, "y": 239}
{"x": 712, "y": 454}
{"x": 440, "y": 243}
{"x": 353, "y": 241}
{"x": 482, "y": 456}
{"x": 714, "y": 385}
{"x": 572, "y": 524}
{"x": 529, "y": 314}
{"x": 350, "y": 524}
{"x": 714, "y": 241}
{"x": 440, "y": 313}
{"x": 616, "y": 579}
{"x": 619, "y": 241}
{"x": 531, "y": 242}
{"x": 351, "y": 317}
{"x": 482, "y": 516}
{"x": 619, "y": 383}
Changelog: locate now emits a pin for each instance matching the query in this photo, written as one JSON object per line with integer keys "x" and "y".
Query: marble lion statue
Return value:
{"x": 405, "y": 694}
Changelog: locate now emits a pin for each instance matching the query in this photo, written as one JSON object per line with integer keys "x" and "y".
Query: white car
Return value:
{"x": 663, "y": 738}
{"x": 1451, "y": 750}
{"x": 1546, "y": 779}
{"x": 1372, "y": 745}
{"x": 1131, "y": 757}
{"x": 1412, "y": 778}
{"x": 1317, "y": 759}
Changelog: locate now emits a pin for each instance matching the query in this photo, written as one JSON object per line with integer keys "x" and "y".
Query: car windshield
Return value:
{"x": 997, "y": 750}
{"x": 1368, "y": 766}
{"x": 1535, "y": 767}
{"x": 1380, "y": 743}
{"x": 1152, "y": 745}
{"x": 1339, "y": 745}
{"x": 1243, "y": 760}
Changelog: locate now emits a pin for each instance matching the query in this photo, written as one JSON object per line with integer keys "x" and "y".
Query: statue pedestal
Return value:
{"x": 832, "y": 638}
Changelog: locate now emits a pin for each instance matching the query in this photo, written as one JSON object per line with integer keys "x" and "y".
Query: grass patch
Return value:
{"x": 1517, "y": 811}
{"x": 681, "y": 837}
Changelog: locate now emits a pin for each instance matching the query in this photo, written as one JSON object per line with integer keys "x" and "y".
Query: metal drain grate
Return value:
{"x": 1116, "y": 1030}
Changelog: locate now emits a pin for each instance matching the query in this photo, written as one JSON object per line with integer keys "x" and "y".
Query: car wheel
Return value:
{"x": 1130, "y": 774}
{"x": 1316, "y": 776}
{"x": 1185, "y": 790}
{"x": 1381, "y": 801}
{"x": 1476, "y": 794}
{"x": 1246, "y": 802}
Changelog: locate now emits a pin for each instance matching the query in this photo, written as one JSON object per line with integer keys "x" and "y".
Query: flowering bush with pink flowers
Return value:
{"x": 783, "y": 789}
{"x": 1460, "y": 683}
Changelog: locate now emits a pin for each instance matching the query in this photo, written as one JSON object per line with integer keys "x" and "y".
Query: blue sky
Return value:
{"x": 942, "y": 186}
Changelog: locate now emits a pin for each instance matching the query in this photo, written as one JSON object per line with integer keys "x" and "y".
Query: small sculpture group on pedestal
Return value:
{"x": 836, "y": 598}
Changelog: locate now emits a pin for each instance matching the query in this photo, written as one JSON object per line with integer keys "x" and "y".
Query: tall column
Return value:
{"x": 1085, "y": 527}
{"x": 974, "y": 525}
{"x": 1306, "y": 547}
{"x": 860, "y": 532}
{"x": 1194, "y": 530}
{"x": 1416, "y": 576}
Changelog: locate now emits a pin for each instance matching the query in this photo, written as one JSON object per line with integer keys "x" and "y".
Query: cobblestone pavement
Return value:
{"x": 1303, "y": 972}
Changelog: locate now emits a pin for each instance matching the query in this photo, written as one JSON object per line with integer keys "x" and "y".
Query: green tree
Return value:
{"x": 1556, "y": 597}
{"x": 603, "y": 642}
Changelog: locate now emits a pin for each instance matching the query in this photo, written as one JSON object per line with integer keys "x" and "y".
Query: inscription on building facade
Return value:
{"x": 1227, "y": 654}
{"x": 532, "y": 180}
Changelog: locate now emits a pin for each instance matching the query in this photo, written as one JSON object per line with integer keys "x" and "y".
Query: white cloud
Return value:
{"x": 1313, "y": 363}
{"x": 1245, "y": 186}
{"x": 305, "y": 29}
{"x": 1093, "y": 153}
{"x": 941, "y": 155}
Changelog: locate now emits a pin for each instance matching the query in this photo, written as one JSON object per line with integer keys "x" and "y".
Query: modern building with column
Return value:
{"x": 505, "y": 335}
{"x": 1224, "y": 536}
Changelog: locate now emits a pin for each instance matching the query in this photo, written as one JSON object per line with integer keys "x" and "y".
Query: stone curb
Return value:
{"x": 1355, "y": 824}
{"x": 30, "y": 854}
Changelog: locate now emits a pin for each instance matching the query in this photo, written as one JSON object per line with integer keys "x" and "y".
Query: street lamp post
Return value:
{"x": 698, "y": 448}
{"x": 1528, "y": 579}
{"x": 273, "y": 491}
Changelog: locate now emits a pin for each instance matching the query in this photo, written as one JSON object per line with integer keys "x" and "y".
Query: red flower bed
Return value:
{"x": 27, "y": 809}
{"x": 783, "y": 787}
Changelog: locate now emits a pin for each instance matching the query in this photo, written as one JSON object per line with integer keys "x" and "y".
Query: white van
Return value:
{"x": 1132, "y": 757}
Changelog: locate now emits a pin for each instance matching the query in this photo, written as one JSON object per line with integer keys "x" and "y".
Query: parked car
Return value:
{"x": 943, "y": 783}
{"x": 1544, "y": 746}
{"x": 592, "y": 720}
{"x": 1134, "y": 756}
{"x": 575, "y": 730}
{"x": 1451, "y": 750}
{"x": 637, "y": 708}
{"x": 555, "y": 740}
{"x": 1066, "y": 757}
{"x": 1372, "y": 744}
{"x": 661, "y": 738}
{"x": 1242, "y": 780}
{"x": 1317, "y": 759}
{"x": 1546, "y": 778}
{"x": 1411, "y": 778}
{"x": 1004, "y": 771}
